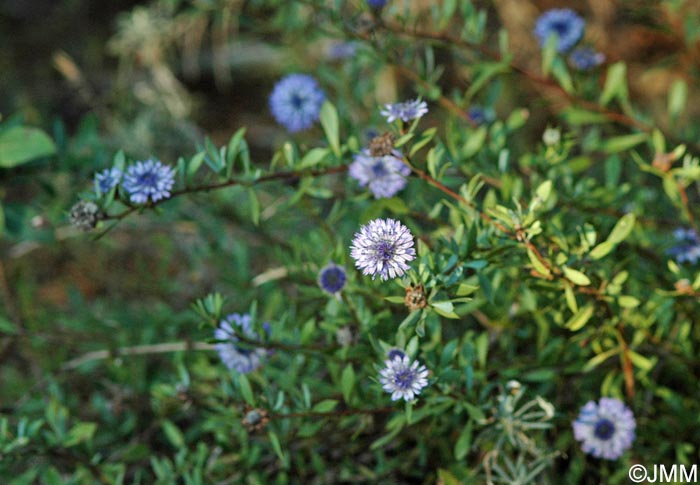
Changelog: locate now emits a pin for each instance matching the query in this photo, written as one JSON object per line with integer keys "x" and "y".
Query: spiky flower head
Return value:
{"x": 84, "y": 215}
{"x": 107, "y": 179}
{"x": 586, "y": 58}
{"x": 406, "y": 111}
{"x": 385, "y": 175}
{"x": 332, "y": 278}
{"x": 233, "y": 355}
{"x": 606, "y": 429}
{"x": 688, "y": 247}
{"x": 296, "y": 102}
{"x": 148, "y": 180}
{"x": 561, "y": 21}
{"x": 383, "y": 247}
{"x": 402, "y": 378}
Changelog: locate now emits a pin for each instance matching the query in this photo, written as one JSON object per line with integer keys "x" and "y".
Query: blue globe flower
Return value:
{"x": 377, "y": 3}
{"x": 233, "y": 355}
{"x": 107, "y": 179}
{"x": 385, "y": 175}
{"x": 383, "y": 247}
{"x": 586, "y": 58}
{"x": 688, "y": 247}
{"x": 296, "y": 102}
{"x": 149, "y": 180}
{"x": 605, "y": 429}
{"x": 332, "y": 278}
{"x": 406, "y": 111}
{"x": 401, "y": 377}
{"x": 565, "y": 23}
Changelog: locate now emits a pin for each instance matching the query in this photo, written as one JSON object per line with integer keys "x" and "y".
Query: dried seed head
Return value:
{"x": 415, "y": 297}
{"x": 381, "y": 145}
{"x": 255, "y": 419}
{"x": 84, "y": 215}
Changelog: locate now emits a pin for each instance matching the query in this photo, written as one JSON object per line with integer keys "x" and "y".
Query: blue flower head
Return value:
{"x": 332, "y": 278}
{"x": 234, "y": 356}
{"x": 296, "y": 102}
{"x": 341, "y": 50}
{"x": 402, "y": 378}
{"x": 586, "y": 58}
{"x": 406, "y": 111}
{"x": 377, "y": 3}
{"x": 480, "y": 115}
{"x": 688, "y": 247}
{"x": 148, "y": 180}
{"x": 107, "y": 179}
{"x": 606, "y": 429}
{"x": 383, "y": 247}
{"x": 565, "y": 23}
{"x": 385, "y": 175}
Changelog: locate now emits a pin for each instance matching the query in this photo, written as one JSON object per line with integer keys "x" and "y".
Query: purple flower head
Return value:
{"x": 341, "y": 50}
{"x": 107, "y": 179}
{"x": 586, "y": 58}
{"x": 234, "y": 356}
{"x": 565, "y": 23}
{"x": 406, "y": 111}
{"x": 605, "y": 430}
{"x": 383, "y": 247}
{"x": 688, "y": 247}
{"x": 377, "y": 3}
{"x": 148, "y": 180}
{"x": 480, "y": 115}
{"x": 332, "y": 278}
{"x": 402, "y": 378}
{"x": 385, "y": 175}
{"x": 296, "y": 102}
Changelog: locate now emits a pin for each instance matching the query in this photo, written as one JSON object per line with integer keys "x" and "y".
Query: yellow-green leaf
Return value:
{"x": 576, "y": 276}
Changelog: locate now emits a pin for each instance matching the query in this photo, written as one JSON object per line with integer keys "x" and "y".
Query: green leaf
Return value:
{"x": 20, "y": 144}
{"x": 79, "y": 433}
{"x": 599, "y": 359}
{"x": 622, "y": 228}
{"x": 464, "y": 442}
{"x": 677, "y": 98}
{"x": 444, "y": 308}
{"x": 254, "y": 207}
{"x": 615, "y": 83}
{"x": 601, "y": 250}
{"x": 313, "y": 157}
{"x": 570, "y": 299}
{"x": 580, "y": 318}
{"x": 617, "y": 144}
{"x": 347, "y": 382}
{"x": 329, "y": 122}
{"x": 195, "y": 163}
{"x": 537, "y": 264}
{"x": 246, "y": 390}
{"x": 576, "y": 276}
{"x": 549, "y": 53}
{"x": 173, "y": 433}
{"x": 626, "y": 301}
{"x": 325, "y": 406}
{"x": 544, "y": 190}
{"x": 641, "y": 361}
{"x": 275, "y": 442}
{"x": 6, "y": 326}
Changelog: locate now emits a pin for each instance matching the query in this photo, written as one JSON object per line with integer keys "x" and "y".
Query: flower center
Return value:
{"x": 385, "y": 251}
{"x": 404, "y": 379}
{"x": 378, "y": 169}
{"x": 604, "y": 429}
{"x": 297, "y": 101}
{"x": 560, "y": 28}
{"x": 148, "y": 178}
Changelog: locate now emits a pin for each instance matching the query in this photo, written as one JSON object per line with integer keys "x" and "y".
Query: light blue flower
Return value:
{"x": 565, "y": 23}
{"x": 385, "y": 175}
{"x": 148, "y": 180}
{"x": 605, "y": 430}
{"x": 296, "y": 102}
{"x": 406, "y": 111}
{"x": 688, "y": 247}
{"x": 233, "y": 355}
{"x": 107, "y": 179}
{"x": 383, "y": 247}
{"x": 402, "y": 378}
{"x": 586, "y": 58}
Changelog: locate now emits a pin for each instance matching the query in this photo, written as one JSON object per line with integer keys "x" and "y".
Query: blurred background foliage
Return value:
{"x": 156, "y": 78}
